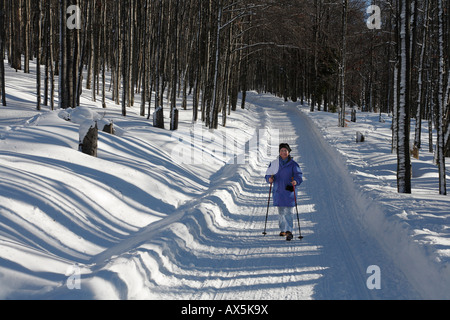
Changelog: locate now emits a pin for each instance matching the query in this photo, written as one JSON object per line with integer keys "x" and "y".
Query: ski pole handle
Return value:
{"x": 294, "y": 183}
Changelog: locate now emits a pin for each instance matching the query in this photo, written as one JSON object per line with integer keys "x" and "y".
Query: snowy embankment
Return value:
{"x": 168, "y": 215}
{"x": 414, "y": 228}
{"x": 59, "y": 207}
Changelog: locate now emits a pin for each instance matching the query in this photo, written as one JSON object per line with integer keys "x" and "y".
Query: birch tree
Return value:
{"x": 420, "y": 81}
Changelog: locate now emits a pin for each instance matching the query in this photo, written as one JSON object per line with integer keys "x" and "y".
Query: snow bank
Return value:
{"x": 87, "y": 118}
{"x": 413, "y": 229}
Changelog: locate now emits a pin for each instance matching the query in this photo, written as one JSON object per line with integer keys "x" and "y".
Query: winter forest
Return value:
{"x": 136, "y": 137}
{"x": 378, "y": 56}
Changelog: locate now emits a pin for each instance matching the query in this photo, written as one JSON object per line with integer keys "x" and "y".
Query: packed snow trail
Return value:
{"x": 212, "y": 247}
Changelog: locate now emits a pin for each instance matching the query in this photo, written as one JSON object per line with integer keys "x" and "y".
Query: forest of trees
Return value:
{"x": 327, "y": 53}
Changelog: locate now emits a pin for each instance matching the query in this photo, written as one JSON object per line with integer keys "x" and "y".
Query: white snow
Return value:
{"x": 138, "y": 223}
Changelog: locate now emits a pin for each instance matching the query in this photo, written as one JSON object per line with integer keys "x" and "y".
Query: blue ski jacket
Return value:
{"x": 283, "y": 175}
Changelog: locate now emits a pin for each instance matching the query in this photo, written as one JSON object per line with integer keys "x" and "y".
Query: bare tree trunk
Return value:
{"x": 173, "y": 107}
{"x": 129, "y": 88}
{"x": 118, "y": 53}
{"x": 144, "y": 62}
{"x": 198, "y": 76}
{"x": 125, "y": 52}
{"x": 104, "y": 40}
{"x": 403, "y": 151}
{"x": 343, "y": 64}
{"x": 214, "y": 112}
{"x": 158, "y": 117}
{"x": 317, "y": 5}
{"x": 2, "y": 54}
{"x": 27, "y": 37}
{"x": 62, "y": 56}
{"x": 420, "y": 91}
{"x": 52, "y": 59}
{"x": 38, "y": 59}
{"x": 440, "y": 105}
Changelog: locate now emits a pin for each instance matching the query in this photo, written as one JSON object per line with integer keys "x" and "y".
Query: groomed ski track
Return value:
{"x": 213, "y": 248}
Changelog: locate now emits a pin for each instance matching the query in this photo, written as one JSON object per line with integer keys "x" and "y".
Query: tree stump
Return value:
{"x": 109, "y": 128}
{"x": 158, "y": 118}
{"x": 90, "y": 141}
{"x": 360, "y": 137}
{"x": 415, "y": 152}
{"x": 353, "y": 117}
{"x": 174, "y": 120}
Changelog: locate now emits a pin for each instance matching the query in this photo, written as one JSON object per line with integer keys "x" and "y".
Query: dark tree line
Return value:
{"x": 321, "y": 52}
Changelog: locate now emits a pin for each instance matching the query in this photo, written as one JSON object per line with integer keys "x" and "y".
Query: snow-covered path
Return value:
{"x": 136, "y": 224}
{"x": 212, "y": 247}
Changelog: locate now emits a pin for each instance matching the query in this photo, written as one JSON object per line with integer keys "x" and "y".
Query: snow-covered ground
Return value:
{"x": 168, "y": 215}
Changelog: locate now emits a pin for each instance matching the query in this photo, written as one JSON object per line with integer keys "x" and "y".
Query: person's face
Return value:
{"x": 284, "y": 153}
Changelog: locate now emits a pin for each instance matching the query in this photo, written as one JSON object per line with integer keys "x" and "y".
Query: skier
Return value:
{"x": 284, "y": 173}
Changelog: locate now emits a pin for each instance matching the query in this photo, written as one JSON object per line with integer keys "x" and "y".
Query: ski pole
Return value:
{"x": 296, "y": 209}
{"x": 267, "y": 214}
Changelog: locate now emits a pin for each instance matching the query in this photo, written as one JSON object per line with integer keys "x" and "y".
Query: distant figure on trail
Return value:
{"x": 284, "y": 173}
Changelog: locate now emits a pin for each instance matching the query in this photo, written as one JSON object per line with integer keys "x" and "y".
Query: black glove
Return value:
{"x": 290, "y": 188}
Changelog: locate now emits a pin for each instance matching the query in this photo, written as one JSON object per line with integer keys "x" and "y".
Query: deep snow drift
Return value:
{"x": 170, "y": 215}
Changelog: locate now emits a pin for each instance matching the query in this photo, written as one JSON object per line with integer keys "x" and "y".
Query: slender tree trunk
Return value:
{"x": 118, "y": 53}
{"x": 130, "y": 87}
{"x": 27, "y": 37}
{"x": 420, "y": 91}
{"x": 124, "y": 45}
{"x": 38, "y": 59}
{"x": 2, "y": 54}
{"x": 213, "y": 116}
{"x": 52, "y": 59}
{"x": 430, "y": 111}
{"x": 173, "y": 106}
{"x": 104, "y": 56}
{"x": 316, "y": 54}
{"x": 440, "y": 105}
{"x": 158, "y": 117}
{"x": 144, "y": 63}
{"x": 343, "y": 63}
{"x": 403, "y": 151}
{"x": 62, "y": 55}
{"x": 196, "y": 95}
